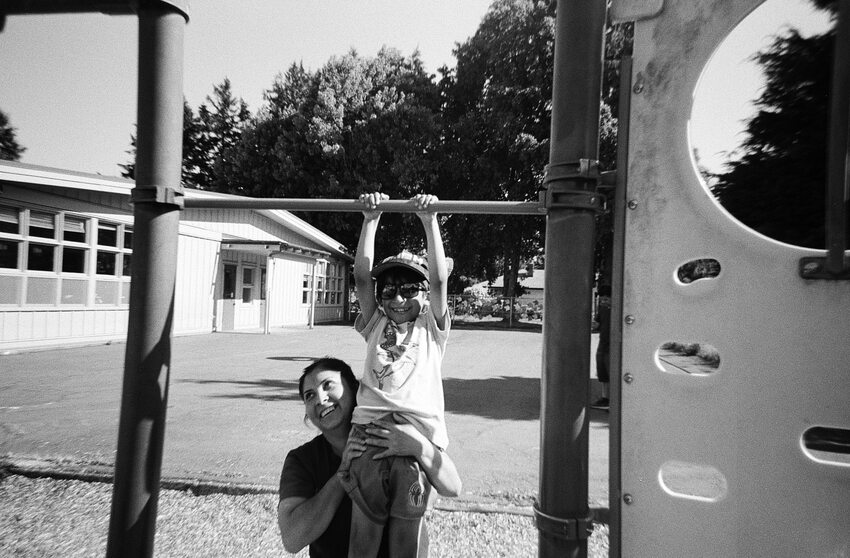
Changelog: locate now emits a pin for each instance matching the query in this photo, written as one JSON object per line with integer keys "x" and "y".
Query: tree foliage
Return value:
{"x": 362, "y": 124}
{"x": 10, "y": 149}
{"x": 498, "y": 108}
{"x": 776, "y": 182}
{"x": 358, "y": 124}
{"x": 207, "y": 138}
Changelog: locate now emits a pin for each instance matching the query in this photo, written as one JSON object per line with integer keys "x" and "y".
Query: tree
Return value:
{"x": 357, "y": 124}
{"x": 496, "y": 141}
{"x": 10, "y": 150}
{"x": 193, "y": 169}
{"x": 208, "y": 139}
{"x": 220, "y": 127}
{"x": 775, "y": 183}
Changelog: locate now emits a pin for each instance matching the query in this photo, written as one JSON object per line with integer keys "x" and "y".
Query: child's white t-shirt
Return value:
{"x": 402, "y": 373}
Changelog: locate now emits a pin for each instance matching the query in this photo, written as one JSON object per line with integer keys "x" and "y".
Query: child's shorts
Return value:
{"x": 391, "y": 487}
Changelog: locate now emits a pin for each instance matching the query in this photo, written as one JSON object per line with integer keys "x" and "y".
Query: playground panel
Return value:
{"x": 713, "y": 462}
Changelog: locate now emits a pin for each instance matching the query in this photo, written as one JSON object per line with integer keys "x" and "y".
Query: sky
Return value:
{"x": 68, "y": 82}
{"x": 731, "y": 80}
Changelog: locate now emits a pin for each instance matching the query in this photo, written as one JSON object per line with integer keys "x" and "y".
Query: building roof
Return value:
{"x": 21, "y": 173}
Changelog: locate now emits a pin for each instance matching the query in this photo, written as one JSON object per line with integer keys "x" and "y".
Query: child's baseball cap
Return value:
{"x": 405, "y": 260}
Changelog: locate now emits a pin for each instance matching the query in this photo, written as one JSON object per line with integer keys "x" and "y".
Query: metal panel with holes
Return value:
{"x": 713, "y": 461}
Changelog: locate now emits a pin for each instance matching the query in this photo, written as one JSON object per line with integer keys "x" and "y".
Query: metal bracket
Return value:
{"x": 572, "y": 529}
{"x": 559, "y": 186}
{"x": 817, "y": 268}
{"x": 156, "y": 194}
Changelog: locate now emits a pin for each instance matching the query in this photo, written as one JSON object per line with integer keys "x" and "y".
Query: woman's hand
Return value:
{"x": 396, "y": 439}
{"x": 371, "y": 202}
{"x": 354, "y": 448}
{"x": 422, "y": 203}
{"x": 405, "y": 440}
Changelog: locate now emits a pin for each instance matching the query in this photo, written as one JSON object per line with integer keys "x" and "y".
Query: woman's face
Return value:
{"x": 328, "y": 400}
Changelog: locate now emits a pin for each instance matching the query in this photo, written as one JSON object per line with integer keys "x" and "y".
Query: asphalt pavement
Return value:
{"x": 234, "y": 412}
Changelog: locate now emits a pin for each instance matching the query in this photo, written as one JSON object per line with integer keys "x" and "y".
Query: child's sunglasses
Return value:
{"x": 407, "y": 290}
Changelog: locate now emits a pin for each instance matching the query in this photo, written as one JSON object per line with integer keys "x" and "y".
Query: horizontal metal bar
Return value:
{"x": 111, "y": 7}
{"x": 388, "y": 206}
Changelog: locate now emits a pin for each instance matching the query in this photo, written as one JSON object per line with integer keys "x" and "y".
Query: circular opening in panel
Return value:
{"x": 758, "y": 126}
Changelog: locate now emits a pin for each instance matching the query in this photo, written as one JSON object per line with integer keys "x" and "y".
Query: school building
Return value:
{"x": 66, "y": 250}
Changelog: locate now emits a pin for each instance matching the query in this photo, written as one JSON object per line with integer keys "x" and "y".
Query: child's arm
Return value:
{"x": 438, "y": 271}
{"x": 364, "y": 259}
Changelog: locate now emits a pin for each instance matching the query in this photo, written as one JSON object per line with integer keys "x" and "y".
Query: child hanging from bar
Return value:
{"x": 405, "y": 321}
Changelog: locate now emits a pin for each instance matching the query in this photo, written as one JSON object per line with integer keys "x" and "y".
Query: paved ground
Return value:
{"x": 234, "y": 413}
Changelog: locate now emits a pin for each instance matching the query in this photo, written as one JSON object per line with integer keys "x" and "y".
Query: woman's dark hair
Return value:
{"x": 329, "y": 363}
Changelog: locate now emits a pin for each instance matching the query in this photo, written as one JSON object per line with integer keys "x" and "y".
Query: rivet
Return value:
{"x": 628, "y": 378}
{"x": 630, "y": 319}
{"x": 627, "y": 498}
{"x": 633, "y": 204}
{"x": 638, "y": 88}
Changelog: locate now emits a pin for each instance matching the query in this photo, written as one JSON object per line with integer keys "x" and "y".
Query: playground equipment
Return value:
{"x": 722, "y": 462}
{"x": 743, "y": 461}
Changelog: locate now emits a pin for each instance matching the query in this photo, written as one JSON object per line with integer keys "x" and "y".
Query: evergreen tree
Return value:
{"x": 10, "y": 150}
{"x": 221, "y": 121}
{"x": 776, "y": 182}
{"x": 193, "y": 170}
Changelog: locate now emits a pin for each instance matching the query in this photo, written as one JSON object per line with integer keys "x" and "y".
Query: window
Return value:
{"x": 107, "y": 234}
{"x": 9, "y": 220}
{"x": 73, "y": 260}
{"x": 247, "y": 284}
{"x": 106, "y": 262}
{"x": 306, "y": 287}
{"x": 262, "y": 283}
{"x": 330, "y": 286}
{"x": 74, "y": 229}
{"x": 229, "y": 282}
{"x": 8, "y": 254}
{"x": 40, "y": 257}
{"x": 41, "y": 225}
{"x": 61, "y": 244}
{"x": 112, "y": 259}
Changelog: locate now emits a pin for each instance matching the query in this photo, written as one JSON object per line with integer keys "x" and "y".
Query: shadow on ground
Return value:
{"x": 502, "y": 398}
{"x": 264, "y": 389}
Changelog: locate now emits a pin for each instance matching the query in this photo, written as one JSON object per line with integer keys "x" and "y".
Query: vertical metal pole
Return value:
{"x": 156, "y": 199}
{"x": 838, "y": 170}
{"x": 616, "y": 341}
{"x": 267, "y": 293}
{"x": 313, "y": 295}
{"x": 562, "y": 512}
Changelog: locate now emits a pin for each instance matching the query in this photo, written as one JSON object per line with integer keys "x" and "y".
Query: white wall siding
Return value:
{"x": 197, "y": 268}
{"x": 287, "y": 308}
{"x": 245, "y": 224}
{"x": 39, "y": 328}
